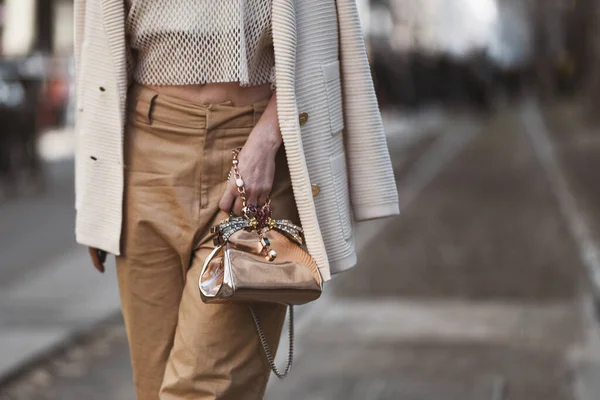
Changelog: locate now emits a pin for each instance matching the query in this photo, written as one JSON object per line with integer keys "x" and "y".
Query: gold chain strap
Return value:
{"x": 241, "y": 188}
{"x": 239, "y": 182}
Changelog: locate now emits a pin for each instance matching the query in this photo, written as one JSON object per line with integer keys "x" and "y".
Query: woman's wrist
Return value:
{"x": 268, "y": 138}
{"x": 266, "y": 134}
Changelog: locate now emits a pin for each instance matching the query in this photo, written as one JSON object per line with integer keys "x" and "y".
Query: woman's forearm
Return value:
{"x": 266, "y": 133}
{"x": 257, "y": 161}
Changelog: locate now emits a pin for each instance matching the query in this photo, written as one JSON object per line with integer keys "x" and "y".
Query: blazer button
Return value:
{"x": 303, "y": 117}
{"x": 316, "y": 189}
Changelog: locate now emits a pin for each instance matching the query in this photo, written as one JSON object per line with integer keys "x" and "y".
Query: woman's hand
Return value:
{"x": 256, "y": 162}
{"x": 98, "y": 258}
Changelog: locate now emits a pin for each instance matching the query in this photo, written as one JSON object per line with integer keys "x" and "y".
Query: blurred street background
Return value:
{"x": 486, "y": 287}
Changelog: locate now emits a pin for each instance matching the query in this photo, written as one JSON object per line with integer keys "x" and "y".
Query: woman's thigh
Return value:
{"x": 161, "y": 203}
{"x": 150, "y": 295}
{"x": 217, "y": 353}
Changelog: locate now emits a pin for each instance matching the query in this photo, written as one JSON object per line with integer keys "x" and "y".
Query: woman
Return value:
{"x": 166, "y": 90}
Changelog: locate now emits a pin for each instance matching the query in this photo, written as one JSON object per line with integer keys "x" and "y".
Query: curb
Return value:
{"x": 37, "y": 370}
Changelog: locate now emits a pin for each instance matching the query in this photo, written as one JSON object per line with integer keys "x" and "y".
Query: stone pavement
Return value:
{"x": 48, "y": 290}
{"x": 473, "y": 293}
{"x": 576, "y": 142}
{"x": 477, "y": 291}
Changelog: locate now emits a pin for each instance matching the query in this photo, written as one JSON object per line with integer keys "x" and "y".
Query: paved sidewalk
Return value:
{"x": 48, "y": 290}
{"x": 576, "y": 144}
{"x": 473, "y": 293}
{"x": 573, "y": 146}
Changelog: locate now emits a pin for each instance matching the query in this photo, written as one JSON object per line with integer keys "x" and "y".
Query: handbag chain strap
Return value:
{"x": 265, "y": 344}
{"x": 260, "y": 216}
{"x": 239, "y": 182}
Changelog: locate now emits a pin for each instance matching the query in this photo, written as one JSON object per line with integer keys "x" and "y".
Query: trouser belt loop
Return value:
{"x": 148, "y": 98}
{"x": 209, "y": 117}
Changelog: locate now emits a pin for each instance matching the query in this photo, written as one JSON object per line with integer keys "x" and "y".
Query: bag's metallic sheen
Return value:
{"x": 244, "y": 267}
{"x": 259, "y": 259}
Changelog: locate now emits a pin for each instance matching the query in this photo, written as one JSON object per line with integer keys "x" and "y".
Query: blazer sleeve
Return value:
{"x": 371, "y": 177}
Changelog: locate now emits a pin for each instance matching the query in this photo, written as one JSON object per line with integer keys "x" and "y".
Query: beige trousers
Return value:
{"x": 177, "y": 157}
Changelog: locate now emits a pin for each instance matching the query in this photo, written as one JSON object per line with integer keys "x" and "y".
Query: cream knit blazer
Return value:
{"x": 321, "y": 69}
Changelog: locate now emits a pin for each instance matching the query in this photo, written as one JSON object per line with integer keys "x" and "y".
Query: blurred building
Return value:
{"x": 36, "y": 80}
{"x": 567, "y": 45}
{"x": 28, "y": 26}
{"x": 426, "y": 51}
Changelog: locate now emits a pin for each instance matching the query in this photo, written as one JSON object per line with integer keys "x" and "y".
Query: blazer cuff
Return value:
{"x": 363, "y": 213}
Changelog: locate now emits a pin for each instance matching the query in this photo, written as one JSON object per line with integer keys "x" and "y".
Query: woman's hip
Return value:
{"x": 178, "y": 156}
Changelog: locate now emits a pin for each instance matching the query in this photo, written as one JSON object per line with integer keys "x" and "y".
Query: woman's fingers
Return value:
{"x": 259, "y": 196}
{"x": 262, "y": 199}
{"x": 96, "y": 259}
{"x": 231, "y": 200}
{"x": 237, "y": 206}
{"x": 253, "y": 198}
{"x": 258, "y": 188}
{"x": 228, "y": 197}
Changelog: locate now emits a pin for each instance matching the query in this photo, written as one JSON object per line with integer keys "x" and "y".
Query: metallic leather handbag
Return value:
{"x": 259, "y": 259}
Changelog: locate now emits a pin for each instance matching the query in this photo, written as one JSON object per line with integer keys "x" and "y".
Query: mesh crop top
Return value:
{"x": 186, "y": 42}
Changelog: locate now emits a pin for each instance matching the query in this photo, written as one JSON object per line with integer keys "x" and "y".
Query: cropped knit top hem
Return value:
{"x": 194, "y": 42}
